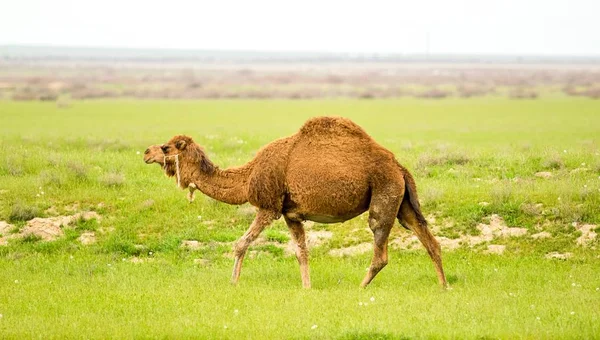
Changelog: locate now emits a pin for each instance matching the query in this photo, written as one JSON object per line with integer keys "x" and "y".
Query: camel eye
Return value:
{"x": 165, "y": 148}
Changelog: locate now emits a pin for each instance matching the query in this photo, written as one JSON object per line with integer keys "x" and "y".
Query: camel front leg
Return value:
{"x": 263, "y": 219}
{"x": 190, "y": 195}
{"x": 297, "y": 231}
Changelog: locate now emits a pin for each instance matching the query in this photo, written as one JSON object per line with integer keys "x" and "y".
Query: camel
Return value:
{"x": 330, "y": 171}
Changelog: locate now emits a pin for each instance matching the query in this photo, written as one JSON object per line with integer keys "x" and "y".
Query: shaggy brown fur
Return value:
{"x": 329, "y": 171}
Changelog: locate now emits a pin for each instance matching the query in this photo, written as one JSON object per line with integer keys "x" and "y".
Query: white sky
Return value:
{"x": 566, "y": 27}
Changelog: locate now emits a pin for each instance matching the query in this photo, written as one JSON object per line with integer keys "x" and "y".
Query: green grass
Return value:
{"x": 103, "y": 296}
{"x": 462, "y": 152}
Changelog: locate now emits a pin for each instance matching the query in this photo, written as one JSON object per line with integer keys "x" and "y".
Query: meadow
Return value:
{"x": 155, "y": 266}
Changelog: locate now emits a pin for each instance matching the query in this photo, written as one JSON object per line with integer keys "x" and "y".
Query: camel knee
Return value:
{"x": 239, "y": 249}
{"x": 379, "y": 264}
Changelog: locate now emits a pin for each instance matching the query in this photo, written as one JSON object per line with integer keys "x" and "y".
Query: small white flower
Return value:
{"x": 537, "y": 318}
{"x": 150, "y": 253}
{"x": 42, "y": 192}
{"x": 585, "y": 185}
{"x": 582, "y": 164}
{"x": 1, "y": 316}
{"x": 236, "y": 311}
{"x": 225, "y": 326}
{"x": 559, "y": 198}
{"x": 110, "y": 265}
{"x": 16, "y": 281}
{"x": 565, "y": 151}
{"x": 495, "y": 269}
{"x": 38, "y": 195}
{"x": 360, "y": 303}
{"x": 137, "y": 153}
{"x": 314, "y": 327}
{"x": 572, "y": 313}
{"x": 372, "y": 299}
{"x": 598, "y": 289}
{"x": 71, "y": 257}
{"x": 199, "y": 217}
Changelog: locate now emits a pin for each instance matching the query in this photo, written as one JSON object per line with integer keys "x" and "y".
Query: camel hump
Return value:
{"x": 337, "y": 126}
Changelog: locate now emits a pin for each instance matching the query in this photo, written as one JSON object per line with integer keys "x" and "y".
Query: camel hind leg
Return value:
{"x": 408, "y": 218}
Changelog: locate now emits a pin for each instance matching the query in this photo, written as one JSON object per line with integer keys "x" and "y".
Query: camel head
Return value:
{"x": 182, "y": 148}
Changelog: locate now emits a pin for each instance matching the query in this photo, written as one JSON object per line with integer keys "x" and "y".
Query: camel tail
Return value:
{"x": 410, "y": 194}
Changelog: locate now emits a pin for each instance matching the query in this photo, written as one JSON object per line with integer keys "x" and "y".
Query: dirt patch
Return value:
{"x": 202, "y": 262}
{"x": 51, "y": 211}
{"x": 5, "y": 228}
{"x": 317, "y": 238}
{"x": 197, "y": 245}
{"x": 450, "y": 243}
{"x": 351, "y": 251}
{"x": 497, "y": 228}
{"x": 190, "y": 244}
{"x": 541, "y": 235}
{"x": 588, "y": 235}
{"x": 136, "y": 260}
{"x": 497, "y": 249}
{"x": 404, "y": 242}
{"x": 87, "y": 238}
{"x": 543, "y": 174}
{"x": 50, "y": 228}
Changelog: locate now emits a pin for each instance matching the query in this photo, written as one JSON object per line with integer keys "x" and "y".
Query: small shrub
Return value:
{"x": 531, "y": 209}
{"x": 523, "y": 93}
{"x": 79, "y": 170}
{"x": 553, "y": 163}
{"x": 468, "y": 91}
{"x": 51, "y": 177}
{"x": 113, "y": 179}
{"x": 433, "y": 94}
{"x": 23, "y": 212}
{"x": 427, "y": 160}
{"x": 593, "y": 92}
{"x": 13, "y": 168}
{"x": 31, "y": 238}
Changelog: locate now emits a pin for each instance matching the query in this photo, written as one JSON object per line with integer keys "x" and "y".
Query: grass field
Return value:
{"x": 472, "y": 159}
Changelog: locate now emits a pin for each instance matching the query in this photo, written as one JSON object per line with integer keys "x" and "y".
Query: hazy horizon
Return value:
{"x": 466, "y": 27}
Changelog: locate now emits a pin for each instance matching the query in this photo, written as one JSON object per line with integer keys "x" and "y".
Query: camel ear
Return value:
{"x": 180, "y": 144}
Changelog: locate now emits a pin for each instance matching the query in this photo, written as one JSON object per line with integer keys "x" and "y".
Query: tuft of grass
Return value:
{"x": 113, "y": 179}
{"x": 276, "y": 236}
{"x": 447, "y": 159}
{"x": 23, "y": 212}
{"x": 79, "y": 170}
{"x": 554, "y": 162}
{"x": 31, "y": 238}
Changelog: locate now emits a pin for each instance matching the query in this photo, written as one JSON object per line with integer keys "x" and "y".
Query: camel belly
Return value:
{"x": 328, "y": 218}
{"x": 323, "y": 205}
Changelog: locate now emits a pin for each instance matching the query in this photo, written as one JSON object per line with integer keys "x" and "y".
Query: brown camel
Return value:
{"x": 330, "y": 171}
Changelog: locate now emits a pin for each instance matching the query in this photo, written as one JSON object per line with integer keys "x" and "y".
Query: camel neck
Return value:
{"x": 228, "y": 186}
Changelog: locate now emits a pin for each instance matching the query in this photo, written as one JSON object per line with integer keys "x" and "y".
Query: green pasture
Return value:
{"x": 471, "y": 158}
